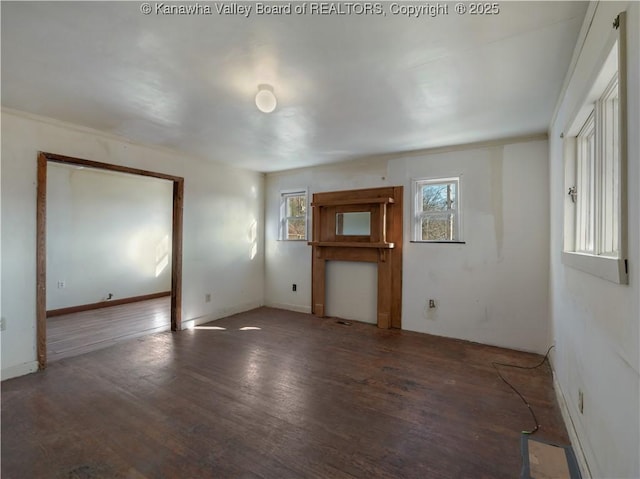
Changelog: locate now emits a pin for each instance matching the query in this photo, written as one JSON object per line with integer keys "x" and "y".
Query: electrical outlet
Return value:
{"x": 62, "y": 284}
{"x": 294, "y": 287}
{"x": 3, "y": 324}
{"x": 207, "y": 298}
{"x": 432, "y": 303}
{"x": 580, "y": 401}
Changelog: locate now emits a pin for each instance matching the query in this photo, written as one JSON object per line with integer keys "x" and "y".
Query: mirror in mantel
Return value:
{"x": 357, "y": 223}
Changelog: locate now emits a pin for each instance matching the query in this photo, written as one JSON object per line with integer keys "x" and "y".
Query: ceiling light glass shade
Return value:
{"x": 265, "y": 99}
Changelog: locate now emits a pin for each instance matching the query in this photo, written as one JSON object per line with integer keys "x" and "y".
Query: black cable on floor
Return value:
{"x": 533, "y": 414}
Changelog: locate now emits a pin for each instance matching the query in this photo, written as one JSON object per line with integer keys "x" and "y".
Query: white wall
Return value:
{"x": 493, "y": 289}
{"x": 222, "y": 244}
{"x": 595, "y": 322}
{"x": 107, "y": 232}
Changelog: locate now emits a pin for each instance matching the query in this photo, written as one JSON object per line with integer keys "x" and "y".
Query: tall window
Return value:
{"x": 293, "y": 215}
{"x": 436, "y": 210}
{"x": 595, "y": 170}
{"x": 597, "y": 189}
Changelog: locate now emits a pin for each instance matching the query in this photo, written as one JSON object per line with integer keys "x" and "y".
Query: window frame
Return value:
{"x": 417, "y": 214}
{"x": 595, "y": 260}
{"x": 585, "y": 205}
{"x": 283, "y": 220}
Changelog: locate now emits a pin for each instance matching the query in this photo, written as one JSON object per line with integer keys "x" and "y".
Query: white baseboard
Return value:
{"x": 290, "y": 307}
{"x": 240, "y": 308}
{"x": 573, "y": 435}
{"x": 19, "y": 370}
{"x": 221, "y": 313}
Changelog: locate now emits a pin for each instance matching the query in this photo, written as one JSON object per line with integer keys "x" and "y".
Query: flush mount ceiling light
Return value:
{"x": 265, "y": 99}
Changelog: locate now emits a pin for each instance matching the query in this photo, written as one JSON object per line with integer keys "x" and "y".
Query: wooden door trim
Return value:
{"x": 41, "y": 241}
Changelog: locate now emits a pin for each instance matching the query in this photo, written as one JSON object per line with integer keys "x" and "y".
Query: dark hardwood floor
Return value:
{"x": 78, "y": 333}
{"x": 276, "y": 394}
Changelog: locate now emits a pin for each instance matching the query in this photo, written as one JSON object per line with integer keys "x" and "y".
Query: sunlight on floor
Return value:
{"x": 218, "y": 328}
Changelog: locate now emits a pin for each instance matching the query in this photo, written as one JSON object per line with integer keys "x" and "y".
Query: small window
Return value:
{"x": 437, "y": 210}
{"x": 293, "y": 215}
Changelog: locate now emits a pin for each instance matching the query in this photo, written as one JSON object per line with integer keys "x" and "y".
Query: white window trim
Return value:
{"x": 605, "y": 267}
{"x": 281, "y": 219}
{"x": 601, "y": 266}
{"x": 415, "y": 231}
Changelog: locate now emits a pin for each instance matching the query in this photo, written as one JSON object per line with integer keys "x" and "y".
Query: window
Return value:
{"x": 436, "y": 210}
{"x": 293, "y": 215}
{"x": 596, "y": 191}
{"x": 595, "y": 224}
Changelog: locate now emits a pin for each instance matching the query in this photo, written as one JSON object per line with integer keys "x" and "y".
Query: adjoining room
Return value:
{"x": 108, "y": 240}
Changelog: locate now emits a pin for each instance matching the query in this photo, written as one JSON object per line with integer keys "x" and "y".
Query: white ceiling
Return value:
{"x": 347, "y": 86}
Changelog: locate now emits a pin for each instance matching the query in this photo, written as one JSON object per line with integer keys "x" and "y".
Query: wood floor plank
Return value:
{"x": 296, "y": 397}
{"x": 78, "y": 333}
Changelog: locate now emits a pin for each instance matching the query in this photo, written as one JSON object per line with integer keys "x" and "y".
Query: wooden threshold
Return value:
{"x": 105, "y": 304}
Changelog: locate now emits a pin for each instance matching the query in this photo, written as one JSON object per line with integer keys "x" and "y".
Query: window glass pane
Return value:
{"x": 295, "y": 229}
{"x": 438, "y": 197}
{"x": 438, "y": 227}
{"x": 585, "y": 187}
{"x": 296, "y": 205}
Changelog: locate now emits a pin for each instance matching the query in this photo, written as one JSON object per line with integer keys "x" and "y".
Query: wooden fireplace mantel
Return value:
{"x": 382, "y": 246}
{"x": 354, "y": 244}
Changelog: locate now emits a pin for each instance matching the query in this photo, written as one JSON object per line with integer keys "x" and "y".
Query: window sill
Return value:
{"x": 611, "y": 269}
{"x": 439, "y": 242}
{"x": 291, "y": 241}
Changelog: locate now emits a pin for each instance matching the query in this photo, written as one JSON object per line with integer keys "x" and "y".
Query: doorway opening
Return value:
{"x": 44, "y": 159}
